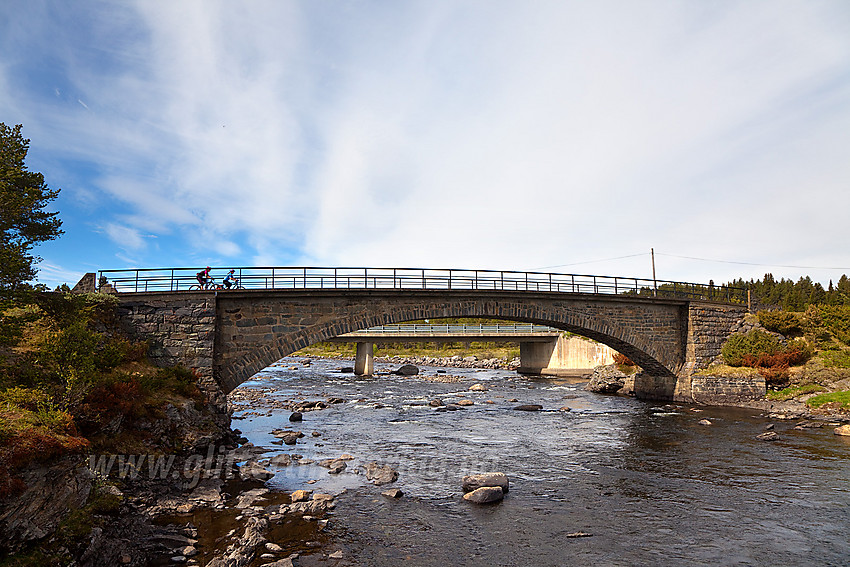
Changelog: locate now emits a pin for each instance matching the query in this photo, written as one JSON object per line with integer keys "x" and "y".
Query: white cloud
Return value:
{"x": 472, "y": 134}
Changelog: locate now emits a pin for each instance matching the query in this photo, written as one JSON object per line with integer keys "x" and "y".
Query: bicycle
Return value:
{"x": 237, "y": 284}
{"x": 210, "y": 284}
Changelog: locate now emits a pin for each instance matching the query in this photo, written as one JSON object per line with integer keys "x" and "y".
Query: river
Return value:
{"x": 647, "y": 481}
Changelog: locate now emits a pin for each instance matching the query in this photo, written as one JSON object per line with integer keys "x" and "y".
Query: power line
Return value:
{"x": 594, "y": 261}
{"x": 750, "y": 263}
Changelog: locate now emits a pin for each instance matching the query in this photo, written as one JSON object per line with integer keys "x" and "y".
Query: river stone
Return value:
{"x": 529, "y": 407}
{"x": 436, "y": 403}
{"x": 296, "y": 416}
{"x": 842, "y": 430}
{"x": 407, "y": 370}
{"x": 494, "y": 479}
{"x": 485, "y": 495}
{"x": 704, "y": 422}
{"x": 768, "y": 436}
{"x": 301, "y": 495}
{"x": 478, "y": 388}
{"x": 465, "y": 403}
{"x": 380, "y": 474}
{"x": 247, "y": 499}
{"x": 252, "y": 470}
{"x": 606, "y": 380}
{"x": 282, "y": 460}
{"x": 393, "y": 493}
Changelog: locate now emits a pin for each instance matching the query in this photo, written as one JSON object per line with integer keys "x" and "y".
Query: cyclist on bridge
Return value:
{"x": 230, "y": 279}
{"x": 204, "y": 277}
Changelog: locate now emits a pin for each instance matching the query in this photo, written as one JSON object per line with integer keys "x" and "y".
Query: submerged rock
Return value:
{"x": 407, "y": 370}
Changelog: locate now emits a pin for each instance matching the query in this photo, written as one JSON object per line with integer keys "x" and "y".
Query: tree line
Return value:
{"x": 786, "y": 294}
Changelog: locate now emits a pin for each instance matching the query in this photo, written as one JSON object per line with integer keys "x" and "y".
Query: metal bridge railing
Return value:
{"x": 282, "y": 278}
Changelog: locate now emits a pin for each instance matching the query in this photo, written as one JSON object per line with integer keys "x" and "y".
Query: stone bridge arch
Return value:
{"x": 254, "y": 335}
{"x": 229, "y": 336}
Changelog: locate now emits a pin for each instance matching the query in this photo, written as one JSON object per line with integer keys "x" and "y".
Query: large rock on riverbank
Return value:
{"x": 606, "y": 380}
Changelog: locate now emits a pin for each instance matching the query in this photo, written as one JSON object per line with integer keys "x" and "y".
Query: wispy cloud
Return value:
{"x": 495, "y": 134}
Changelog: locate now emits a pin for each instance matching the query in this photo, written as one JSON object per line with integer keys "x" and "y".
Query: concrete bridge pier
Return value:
{"x": 364, "y": 361}
{"x": 563, "y": 356}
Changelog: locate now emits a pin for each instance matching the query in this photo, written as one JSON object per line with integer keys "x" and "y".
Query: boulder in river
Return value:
{"x": 842, "y": 430}
{"x": 529, "y": 407}
{"x": 768, "y": 436}
{"x": 485, "y": 495}
{"x": 475, "y": 481}
{"x": 478, "y": 388}
{"x": 296, "y": 416}
{"x": 252, "y": 470}
{"x": 407, "y": 370}
{"x": 606, "y": 380}
{"x": 380, "y": 474}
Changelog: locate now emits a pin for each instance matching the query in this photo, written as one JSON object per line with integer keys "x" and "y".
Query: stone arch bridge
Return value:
{"x": 229, "y": 335}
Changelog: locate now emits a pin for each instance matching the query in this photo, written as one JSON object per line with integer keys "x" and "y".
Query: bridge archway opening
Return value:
{"x": 634, "y": 345}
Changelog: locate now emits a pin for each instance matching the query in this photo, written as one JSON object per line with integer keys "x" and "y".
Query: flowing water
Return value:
{"x": 647, "y": 481}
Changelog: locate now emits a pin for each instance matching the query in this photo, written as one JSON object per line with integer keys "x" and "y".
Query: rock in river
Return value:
{"x": 380, "y": 474}
{"x": 842, "y": 430}
{"x": 475, "y": 481}
{"x": 529, "y": 407}
{"x": 485, "y": 495}
{"x": 407, "y": 370}
{"x": 606, "y": 380}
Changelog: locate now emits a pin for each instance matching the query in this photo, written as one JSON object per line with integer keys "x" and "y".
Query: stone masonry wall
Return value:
{"x": 709, "y": 325}
{"x": 180, "y": 329}
{"x": 726, "y": 390}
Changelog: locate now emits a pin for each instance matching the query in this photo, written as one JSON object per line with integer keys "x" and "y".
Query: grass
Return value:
{"x": 482, "y": 350}
{"x": 794, "y": 391}
{"x": 726, "y": 370}
{"x": 837, "y": 400}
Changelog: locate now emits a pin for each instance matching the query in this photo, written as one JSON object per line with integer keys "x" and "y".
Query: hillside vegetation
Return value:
{"x": 71, "y": 383}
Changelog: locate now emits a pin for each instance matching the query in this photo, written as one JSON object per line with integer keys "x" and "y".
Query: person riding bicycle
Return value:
{"x": 230, "y": 279}
{"x": 204, "y": 278}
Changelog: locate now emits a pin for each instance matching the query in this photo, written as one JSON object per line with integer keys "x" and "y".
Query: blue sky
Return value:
{"x": 469, "y": 134}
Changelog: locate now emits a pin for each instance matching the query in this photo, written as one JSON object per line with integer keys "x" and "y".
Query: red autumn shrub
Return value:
{"x": 622, "y": 359}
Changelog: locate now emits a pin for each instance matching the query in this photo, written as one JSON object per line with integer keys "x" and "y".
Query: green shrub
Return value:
{"x": 755, "y": 343}
{"x": 784, "y": 322}
{"x": 763, "y": 351}
{"x": 836, "y": 358}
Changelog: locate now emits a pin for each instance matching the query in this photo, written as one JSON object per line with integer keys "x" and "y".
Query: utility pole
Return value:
{"x": 654, "y": 281}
